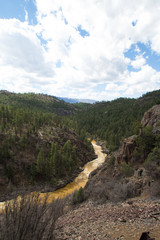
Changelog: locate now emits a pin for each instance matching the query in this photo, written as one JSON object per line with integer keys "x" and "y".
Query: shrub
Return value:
{"x": 113, "y": 190}
{"x": 78, "y": 196}
{"x": 154, "y": 189}
{"x": 154, "y": 156}
{"x": 110, "y": 162}
{"x": 122, "y": 191}
{"x": 145, "y": 142}
{"x": 152, "y": 163}
{"x": 28, "y": 217}
{"x": 126, "y": 169}
{"x": 10, "y": 172}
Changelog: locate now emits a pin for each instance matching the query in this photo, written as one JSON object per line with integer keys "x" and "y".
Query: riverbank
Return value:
{"x": 82, "y": 178}
{"x": 43, "y": 188}
{"x": 123, "y": 221}
{"x": 64, "y": 187}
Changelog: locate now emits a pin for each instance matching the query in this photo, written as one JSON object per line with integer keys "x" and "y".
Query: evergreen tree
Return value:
{"x": 33, "y": 171}
{"x": 145, "y": 142}
{"x": 67, "y": 147}
{"x": 10, "y": 172}
{"x": 56, "y": 158}
{"x": 40, "y": 159}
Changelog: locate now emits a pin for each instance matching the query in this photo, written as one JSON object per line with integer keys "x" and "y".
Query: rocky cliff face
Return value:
{"x": 125, "y": 152}
{"x": 152, "y": 118}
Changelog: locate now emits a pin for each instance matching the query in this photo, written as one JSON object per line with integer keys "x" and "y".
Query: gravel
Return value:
{"x": 127, "y": 221}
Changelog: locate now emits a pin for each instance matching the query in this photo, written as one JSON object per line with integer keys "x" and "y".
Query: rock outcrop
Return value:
{"x": 125, "y": 152}
{"x": 113, "y": 183}
{"x": 151, "y": 118}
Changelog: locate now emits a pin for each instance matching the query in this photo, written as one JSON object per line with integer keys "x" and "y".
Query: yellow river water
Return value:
{"x": 80, "y": 180}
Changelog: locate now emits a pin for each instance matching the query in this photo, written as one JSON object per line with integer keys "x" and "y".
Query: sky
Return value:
{"x": 88, "y": 49}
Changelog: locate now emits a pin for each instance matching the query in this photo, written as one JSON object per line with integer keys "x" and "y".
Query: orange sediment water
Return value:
{"x": 79, "y": 181}
{"x": 82, "y": 178}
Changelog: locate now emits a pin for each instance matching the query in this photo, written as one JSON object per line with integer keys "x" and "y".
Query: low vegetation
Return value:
{"x": 126, "y": 169}
{"x": 152, "y": 163}
{"x": 78, "y": 196}
{"x": 30, "y": 217}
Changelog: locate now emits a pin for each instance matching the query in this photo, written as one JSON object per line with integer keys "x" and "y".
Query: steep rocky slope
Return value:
{"x": 127, "y": 172}
{"x": 123, "y": 221}
{"x": 152, "y": 119}
{"x": 120, "y": 203}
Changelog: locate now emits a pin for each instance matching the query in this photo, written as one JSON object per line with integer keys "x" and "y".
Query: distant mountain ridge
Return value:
{"x": 76, "y": 100}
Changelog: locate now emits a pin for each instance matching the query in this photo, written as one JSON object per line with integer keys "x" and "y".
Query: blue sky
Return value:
{"x": 152, "y": 58}
{"x": 100, "y": 50}
{"x": 17, "y": 9}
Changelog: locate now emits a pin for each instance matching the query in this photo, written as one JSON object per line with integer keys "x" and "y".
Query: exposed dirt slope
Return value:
{"x": 124, "y": 221}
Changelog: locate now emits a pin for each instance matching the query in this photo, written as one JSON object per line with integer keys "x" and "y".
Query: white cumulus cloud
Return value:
{"x": 138, "y": 62}
{"x": 78, "y": 46}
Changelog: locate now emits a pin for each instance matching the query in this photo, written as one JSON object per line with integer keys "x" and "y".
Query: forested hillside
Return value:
{"x": 113, "y": 121}
{"x": 37, "y": 146}
{"x": 44, "y": 140}
{"x": 44, "y": 143}
{"x": 36, "y": 102}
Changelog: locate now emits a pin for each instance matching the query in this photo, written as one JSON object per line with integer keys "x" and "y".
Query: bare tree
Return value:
{"x": 30, "y": 217}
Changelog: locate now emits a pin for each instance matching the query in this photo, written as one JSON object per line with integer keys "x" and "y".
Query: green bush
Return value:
{"x": 110, "y": 162}
{"x": 10, "y": 172}
{"x": 154, "y": 156}
{"x": 144, "y": 143}
{"x": 127, "y": 169}
{"x": 152, "y": 163}
{"x": 78, "y": 196}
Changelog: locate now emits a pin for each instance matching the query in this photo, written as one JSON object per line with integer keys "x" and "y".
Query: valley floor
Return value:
{"x": 123, "y": 221}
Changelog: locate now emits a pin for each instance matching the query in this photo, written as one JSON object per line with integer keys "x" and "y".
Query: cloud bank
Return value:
{"x": 77, "y": 49}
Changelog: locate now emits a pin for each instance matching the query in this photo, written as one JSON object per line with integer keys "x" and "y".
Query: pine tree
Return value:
{"x": 67, "y": 147}
{"x": 56, "y": 161}
{"x": 48, "y": 170}
{"x": 40, "y": 159}
{"x": 33, "y": 171}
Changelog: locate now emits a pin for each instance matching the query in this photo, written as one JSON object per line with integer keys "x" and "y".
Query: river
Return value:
{"x": 80, "y": 180}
